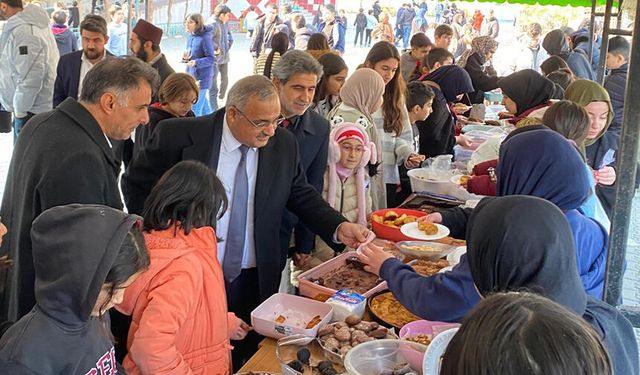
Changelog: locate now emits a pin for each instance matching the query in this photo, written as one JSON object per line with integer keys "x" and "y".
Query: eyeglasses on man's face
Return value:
{"x": 261, "y": 124}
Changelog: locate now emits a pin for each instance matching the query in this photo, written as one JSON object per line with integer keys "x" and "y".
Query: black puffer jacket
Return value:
{"x": 616, "y": 85}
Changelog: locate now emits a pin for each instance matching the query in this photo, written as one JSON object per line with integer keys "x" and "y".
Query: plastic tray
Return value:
{"x": 262, "y": 318}
{"x": 310, "y": 289}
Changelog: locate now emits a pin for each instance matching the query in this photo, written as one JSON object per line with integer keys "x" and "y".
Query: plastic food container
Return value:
{"x": 263, "y": 317}
{"x": 338, "y": 358}
{"x": 381, "y": 357}
{"x": 390, "y": 233}
{"x": 431, "y": 251}
{"x": 493, "y": 96}
{"x": 419, "y": 183}
{"x": 421, "y": 327}
{"x": 287, "y": 350}
{"x": 310, "y": 289}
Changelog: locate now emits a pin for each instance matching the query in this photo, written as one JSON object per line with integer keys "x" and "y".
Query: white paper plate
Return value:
{"x": 411, "y": 230}
{"x": 435, "y": 351}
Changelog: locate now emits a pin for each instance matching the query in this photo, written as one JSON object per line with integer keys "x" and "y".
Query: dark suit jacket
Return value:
{"x": 281, "y": 183}
{"x": 62, "y": 158}
{"x": 68, "y": 77}
{"x": 312, "y": 133}
{"x": 163, "y": 68}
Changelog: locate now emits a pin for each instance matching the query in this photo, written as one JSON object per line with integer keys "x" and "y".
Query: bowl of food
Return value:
{"x": 426, "y": 267}
{"x": 386, "y": 223}
{"x": 422, "y": 332}
{"x": 382, "y": 357}
{"x": 285, "y": 314}
{"x": 424, "y": 249}
{"x": 338, "y": 338}
{"x": 385, "y": 309}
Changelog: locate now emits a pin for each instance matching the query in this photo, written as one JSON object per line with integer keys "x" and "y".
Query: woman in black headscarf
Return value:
{"x": 521, "y": 242}
{"x": 437, "y": 132}
{"x": 477, "y": 62}
{"x": 526, "y": 92}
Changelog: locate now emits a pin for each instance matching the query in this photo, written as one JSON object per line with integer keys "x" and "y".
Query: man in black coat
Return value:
{"x": 276, "y": 181}
{"x": 296, "y": 76}
{"x": 64, "y": 157}
{"x": 74, "y": 66}
{"x": 145, "y": 45}
{"x": 266, "y": 27}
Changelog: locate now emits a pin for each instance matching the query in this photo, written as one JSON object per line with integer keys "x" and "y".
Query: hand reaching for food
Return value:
{"x": 435, "y": 217}
{"x": 300, "y": 259}
{"x": 463, "y": 141}
{"x": 352, "y": 234}
{"x": 414, "y": 161}
{"x": 373, "y": 256}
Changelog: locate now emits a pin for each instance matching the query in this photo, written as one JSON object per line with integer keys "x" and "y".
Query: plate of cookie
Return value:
{"x": 425, "y": 231}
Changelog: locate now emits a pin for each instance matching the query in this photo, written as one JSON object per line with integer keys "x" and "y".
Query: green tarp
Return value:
{"x": 573, "y": 3}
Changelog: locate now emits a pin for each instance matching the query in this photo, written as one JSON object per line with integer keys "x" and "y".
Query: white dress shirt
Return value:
{"x": 227, "y": 165}
{"x": 85, "y": 67}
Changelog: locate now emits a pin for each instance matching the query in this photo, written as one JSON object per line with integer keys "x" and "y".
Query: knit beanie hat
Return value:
{"x": 341, "y": 132}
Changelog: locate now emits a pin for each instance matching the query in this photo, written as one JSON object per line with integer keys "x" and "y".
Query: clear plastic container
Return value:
{"x": 381, "y": 357}
{"x": 424, "y": 249}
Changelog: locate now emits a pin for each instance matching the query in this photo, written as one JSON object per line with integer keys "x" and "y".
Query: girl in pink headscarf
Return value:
{"x": 346, "y": 183}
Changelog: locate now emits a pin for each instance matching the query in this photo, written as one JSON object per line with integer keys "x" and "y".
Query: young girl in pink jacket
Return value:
{"x": 180, "y": 324}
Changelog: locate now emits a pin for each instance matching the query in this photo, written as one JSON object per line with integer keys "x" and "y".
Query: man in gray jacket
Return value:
{"x": 222, "y": 41}
{"x": 28, "y": 56}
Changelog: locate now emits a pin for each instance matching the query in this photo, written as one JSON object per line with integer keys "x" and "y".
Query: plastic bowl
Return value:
{"x": 390, "y": 233}
{"x": 380, "y": 357}
{"x": 421, "y": 327}
{"x": 431, "y": 250}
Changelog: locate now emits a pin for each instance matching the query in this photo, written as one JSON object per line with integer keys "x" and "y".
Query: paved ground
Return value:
{"x": 242, "y": 65}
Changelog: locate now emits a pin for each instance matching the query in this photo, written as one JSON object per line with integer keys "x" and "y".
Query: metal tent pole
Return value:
{"x": 605, "y": 41}
{"x": 626, "y": 170}
{"x": 619, "y": 22}
{"x": 592, "y": 28}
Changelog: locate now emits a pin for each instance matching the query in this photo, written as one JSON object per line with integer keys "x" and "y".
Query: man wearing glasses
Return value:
{"x": 258, "y": 163}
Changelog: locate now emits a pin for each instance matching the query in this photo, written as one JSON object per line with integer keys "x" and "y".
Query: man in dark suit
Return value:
{"x": 145, "y": 45}
{"x": 258, "y": 163}
{"x": 65, "y": 157}
{"x": 296, "y": 76}
{"x": 74, "y": 66}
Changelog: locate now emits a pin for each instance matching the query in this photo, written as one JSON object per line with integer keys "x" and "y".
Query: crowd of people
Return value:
{"x": 157, "y": 270}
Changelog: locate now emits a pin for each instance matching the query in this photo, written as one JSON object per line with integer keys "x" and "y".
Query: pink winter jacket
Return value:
{"x": 180, "y": 324}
